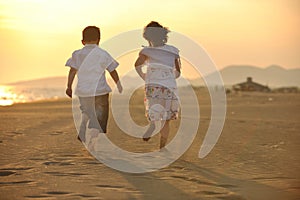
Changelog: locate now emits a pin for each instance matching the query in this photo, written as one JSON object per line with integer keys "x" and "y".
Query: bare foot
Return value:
{"x": 146, "y": 139}
{"x": 147, "y": 135}
{"x": 91, "y": 145}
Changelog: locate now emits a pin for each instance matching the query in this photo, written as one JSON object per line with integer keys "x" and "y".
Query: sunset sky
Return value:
{"x": 37, "y": 36}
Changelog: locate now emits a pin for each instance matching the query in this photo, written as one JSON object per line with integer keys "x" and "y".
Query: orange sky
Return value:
{"x": 37, "y": 36}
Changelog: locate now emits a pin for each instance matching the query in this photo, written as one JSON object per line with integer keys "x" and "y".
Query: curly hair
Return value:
{"x": 155, "y": 33}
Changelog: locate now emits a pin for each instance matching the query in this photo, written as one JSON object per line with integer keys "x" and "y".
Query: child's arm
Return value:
{"x": 138, "y": 65}
{"x": 71, "y": 76}
{"x": 114, "y": 75}
{"x": 177, "y": 67}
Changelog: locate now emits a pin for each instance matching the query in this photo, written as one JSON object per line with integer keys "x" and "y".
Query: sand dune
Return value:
{"x": 256, "y": 157}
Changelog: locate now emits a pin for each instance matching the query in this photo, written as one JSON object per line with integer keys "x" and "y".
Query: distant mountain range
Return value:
{"x": 273, "y": 76}
{"x": 51, "y": 82}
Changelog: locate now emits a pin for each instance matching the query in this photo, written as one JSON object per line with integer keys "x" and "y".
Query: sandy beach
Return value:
{"x": 256, "y": 157}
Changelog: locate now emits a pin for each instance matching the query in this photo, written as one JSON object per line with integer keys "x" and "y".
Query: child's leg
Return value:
{"x": 87, "y": 115}
{"x": 102, "y": 110}
{"x": 82, "y": 129}
{"x": 149, "y": 131}
{"x": 164, "y": 134}
{"x": 87, "y": 108}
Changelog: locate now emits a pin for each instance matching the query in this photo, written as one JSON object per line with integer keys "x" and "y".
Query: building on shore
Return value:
{"x": 287, "y": 90}
{"x": 250, "y": 85}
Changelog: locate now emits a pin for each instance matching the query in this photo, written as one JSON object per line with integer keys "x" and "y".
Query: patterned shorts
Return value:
{"x": 161, "y": 103}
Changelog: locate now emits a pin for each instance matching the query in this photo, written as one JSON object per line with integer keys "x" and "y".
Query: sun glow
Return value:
{"x": 51, "y": 15}
{"x": 37, "y": 36}
{"x": 6, "y": 96}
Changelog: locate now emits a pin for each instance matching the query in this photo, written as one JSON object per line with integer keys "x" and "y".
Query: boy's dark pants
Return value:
{"x": 95, "y": 111}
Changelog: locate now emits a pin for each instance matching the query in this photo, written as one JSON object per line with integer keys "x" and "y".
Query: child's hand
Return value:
{"x": 176, "y": 74}
{"x": 120, "y": 88}
{"x": 69, "y": 92}
{"x": 143, "y": 76}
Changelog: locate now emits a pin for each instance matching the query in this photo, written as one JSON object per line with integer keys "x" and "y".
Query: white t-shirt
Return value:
{"x": 91, "y": 62}
{"x": 161, "y": 65}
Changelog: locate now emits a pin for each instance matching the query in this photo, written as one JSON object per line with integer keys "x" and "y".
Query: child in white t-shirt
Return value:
{"x": 163, "y": 67}
{"x": 90, "y": 64}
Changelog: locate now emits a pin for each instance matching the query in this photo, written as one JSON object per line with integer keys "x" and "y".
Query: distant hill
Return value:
{"x": 273, "y": 76}
{"x": 59, "y": 81}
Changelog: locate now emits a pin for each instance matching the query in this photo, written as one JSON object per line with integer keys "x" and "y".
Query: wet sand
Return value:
{"x": 256, "y": 157}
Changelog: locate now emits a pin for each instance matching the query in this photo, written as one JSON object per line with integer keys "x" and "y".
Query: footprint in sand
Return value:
{"x": 15, "y": 182}
{"x": 37, "y": 196}
{"x": 65, "y": 174}
{"x": 13, "y": 134}
{"x": 58, "y": 163}
{"x": 57, "y": 193}
{"x": 212, "y": 193}
{"x": 13, "y": 170}
{"x": 57, "y": 133}
{"x": 6, "y": 173}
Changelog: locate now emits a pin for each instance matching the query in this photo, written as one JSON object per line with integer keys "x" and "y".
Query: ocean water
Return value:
{"x": 21, "y": 94}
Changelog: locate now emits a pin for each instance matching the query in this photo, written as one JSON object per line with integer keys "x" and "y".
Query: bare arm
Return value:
{"x": 177, "y": 67}
{"x": 114, "y": 75}
{"x": 138, "y": 65}
{"x": 72, "y": 73}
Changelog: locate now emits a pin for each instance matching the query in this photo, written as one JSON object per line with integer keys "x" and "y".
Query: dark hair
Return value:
{"x": 156, "y": 33}
{"x": 91, "y": 33}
